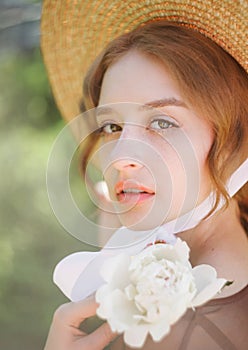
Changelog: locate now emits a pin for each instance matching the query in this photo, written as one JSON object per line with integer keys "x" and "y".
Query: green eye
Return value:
{"x": 162, "y": 124}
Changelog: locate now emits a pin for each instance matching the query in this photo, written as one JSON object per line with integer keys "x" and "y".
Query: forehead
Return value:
{"x": 137, "y": 78}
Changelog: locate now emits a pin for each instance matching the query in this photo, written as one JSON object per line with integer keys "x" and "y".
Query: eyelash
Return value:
{"x": 170, "y": 124}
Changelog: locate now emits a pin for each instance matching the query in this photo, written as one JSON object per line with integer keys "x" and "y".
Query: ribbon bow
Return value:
{"x": 78, "y": 275}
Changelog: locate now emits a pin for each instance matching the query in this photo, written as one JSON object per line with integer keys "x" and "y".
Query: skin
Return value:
{"x": 219, "y": 241}
{"x": 65, "y": 334}
{"x": 163, "y": 149}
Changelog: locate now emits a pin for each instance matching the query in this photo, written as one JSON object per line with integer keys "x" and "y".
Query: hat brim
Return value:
{"x": 74, "y": 32}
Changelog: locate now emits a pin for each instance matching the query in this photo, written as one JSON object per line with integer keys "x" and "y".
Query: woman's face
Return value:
{"x": 153, "y": 146}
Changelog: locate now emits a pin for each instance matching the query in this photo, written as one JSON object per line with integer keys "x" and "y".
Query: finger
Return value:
{"x": 74, "y": 313}
{"x": 100, "y": 338}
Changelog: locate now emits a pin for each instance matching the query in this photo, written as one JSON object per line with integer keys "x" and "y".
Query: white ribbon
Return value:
{"x": 78, "y": 276}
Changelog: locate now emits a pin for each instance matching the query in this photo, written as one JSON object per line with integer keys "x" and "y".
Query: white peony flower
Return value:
{"x": 149, "y": 292}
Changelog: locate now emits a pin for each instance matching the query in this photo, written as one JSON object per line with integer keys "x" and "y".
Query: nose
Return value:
{"x": 127, "y": 164}
{"x": 128, "y": 149}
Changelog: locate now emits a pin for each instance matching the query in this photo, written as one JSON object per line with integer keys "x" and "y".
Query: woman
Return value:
{"x": 171, "y": 114}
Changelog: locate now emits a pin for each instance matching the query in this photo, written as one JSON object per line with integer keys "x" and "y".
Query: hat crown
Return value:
{"x": 74, "y": 32}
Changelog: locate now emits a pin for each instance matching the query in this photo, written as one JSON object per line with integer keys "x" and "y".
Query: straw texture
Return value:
{"x": 73, "y": 32}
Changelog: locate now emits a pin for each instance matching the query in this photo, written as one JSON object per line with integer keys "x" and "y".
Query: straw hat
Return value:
{"x": 75, "y": 31}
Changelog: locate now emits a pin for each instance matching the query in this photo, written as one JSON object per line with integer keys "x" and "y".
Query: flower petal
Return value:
{"x": 182, "y": 250}
{"x": 105, "y": 309}
{"x": 177, "y": 252}
{"x": 204, "y": 275}
{"x": 159, "y": 330}
{"x": 136, "y": 336}
{"x": 118, "y": 311}
{"x": 207, "y": 284}
{"x": 177, "y": 311}
{"x": 149, "y": 292}
{"x": 102, "y": 293}
{"x": 208, "y": 292}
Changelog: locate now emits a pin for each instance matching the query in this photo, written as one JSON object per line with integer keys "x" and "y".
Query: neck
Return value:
{"x": 221, "y": 241}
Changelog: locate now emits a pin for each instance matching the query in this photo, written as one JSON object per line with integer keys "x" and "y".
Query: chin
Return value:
{"x": 144, "y": 217}
{"x": 138, "y": 223}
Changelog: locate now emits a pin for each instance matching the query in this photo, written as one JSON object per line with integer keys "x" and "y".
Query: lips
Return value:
{"x": 133, "y": 191}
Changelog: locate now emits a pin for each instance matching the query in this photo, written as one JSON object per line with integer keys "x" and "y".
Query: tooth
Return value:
{"x": 132, "y": 190}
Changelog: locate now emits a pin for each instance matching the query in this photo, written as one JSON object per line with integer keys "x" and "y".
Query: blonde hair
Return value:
{"x": 210, "y": 80}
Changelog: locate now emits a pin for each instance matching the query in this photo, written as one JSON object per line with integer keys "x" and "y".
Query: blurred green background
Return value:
{"x": 31, "y": 239}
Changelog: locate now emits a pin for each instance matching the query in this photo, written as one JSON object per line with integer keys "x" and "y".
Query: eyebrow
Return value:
{"x": 101, "y": 110}
{"x": 171, "y": 101}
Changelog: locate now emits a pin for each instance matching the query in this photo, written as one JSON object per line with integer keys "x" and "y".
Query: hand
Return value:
{"x": 65, "y": 334}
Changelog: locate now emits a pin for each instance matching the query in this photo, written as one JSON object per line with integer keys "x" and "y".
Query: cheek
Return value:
{"x": 179, "y": 169}
{"x": 202, "y": 144}
{"x": 189, "y": 176}
{"x": 180, "y": 156}
{"x": 201, "y": 137}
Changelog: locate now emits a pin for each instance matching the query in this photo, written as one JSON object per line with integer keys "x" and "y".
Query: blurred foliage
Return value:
{"x": 31, "y": 240}
{"x": 25, "y": 96}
